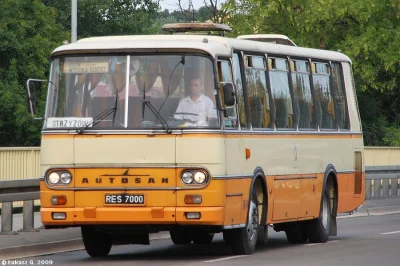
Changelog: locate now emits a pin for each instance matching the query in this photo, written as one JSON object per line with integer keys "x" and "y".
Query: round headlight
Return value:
{"x": 187, "y": 177}
{"x": 199, "y": 177}
{"x": 54, "y": 178}
{"x": 66, "y": 178}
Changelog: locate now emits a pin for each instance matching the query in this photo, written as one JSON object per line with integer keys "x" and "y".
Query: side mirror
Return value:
{"x": 229, "y": 94}
{"x": 32, "y": 96}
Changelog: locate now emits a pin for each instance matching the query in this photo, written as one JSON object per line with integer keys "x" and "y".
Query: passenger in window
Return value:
{"x": 196, "y": 106}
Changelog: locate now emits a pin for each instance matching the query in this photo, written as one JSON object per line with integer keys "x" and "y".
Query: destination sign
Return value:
{"x": 85, "y": 67}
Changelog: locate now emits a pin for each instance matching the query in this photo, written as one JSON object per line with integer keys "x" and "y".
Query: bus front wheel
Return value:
{"x": 180, "y": 237}
{"x": 297, "y": 233}
{"x": 202, "y": 237}
{"x": 244, "y": 240}
{"x": 97, "y": 244}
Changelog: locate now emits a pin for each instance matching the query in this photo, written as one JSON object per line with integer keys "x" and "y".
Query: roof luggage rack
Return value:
{"x": 272, "y": 38}
{"x": 190, "y": 27}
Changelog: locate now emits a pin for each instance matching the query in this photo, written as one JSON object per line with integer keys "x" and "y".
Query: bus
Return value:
{"x": 195, "y": 133}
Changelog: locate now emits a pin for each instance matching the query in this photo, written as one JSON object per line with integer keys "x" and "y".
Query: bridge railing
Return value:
{"x": 380, "y": 182}
{"x": 26, "y": 190}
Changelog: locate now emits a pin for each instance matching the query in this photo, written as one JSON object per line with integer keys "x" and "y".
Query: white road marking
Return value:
{"x": 390, "y": 233}
{"x": 309, "y": 245}
{"x": 333, "y": 241}
{"x": 226, "y": 258}
{"x": 313, "y": 244}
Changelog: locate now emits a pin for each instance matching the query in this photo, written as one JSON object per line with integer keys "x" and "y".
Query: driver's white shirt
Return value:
{"x": 203, "y": 107}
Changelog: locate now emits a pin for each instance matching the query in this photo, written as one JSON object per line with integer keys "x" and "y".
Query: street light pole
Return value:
{"x": 73, "y": 20}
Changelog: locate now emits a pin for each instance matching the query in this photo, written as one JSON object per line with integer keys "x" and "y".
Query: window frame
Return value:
{"x": 268, "y": 87}
{"x": 308, "y": 60}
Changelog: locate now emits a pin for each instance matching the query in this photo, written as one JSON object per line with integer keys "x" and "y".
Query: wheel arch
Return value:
{"x": 331, "y": 174}
{"x": 259, "y": 182}
{"x": 330, "y": 179}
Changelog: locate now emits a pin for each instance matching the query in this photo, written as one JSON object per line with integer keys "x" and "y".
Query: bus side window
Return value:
{"x": 241, "y": 109}
{"x": 260, "y": 111}
{"x": 225, "y": 75}
{"x": 279, "y": 78}
{"x": 339, "y": 96}
{"x": 302, "y": 93}
{"x": 323, "y": 96}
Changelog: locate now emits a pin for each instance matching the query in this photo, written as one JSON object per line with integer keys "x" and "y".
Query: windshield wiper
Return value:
{"x": 154, "y": 111}
{"x": 98, "y": 118}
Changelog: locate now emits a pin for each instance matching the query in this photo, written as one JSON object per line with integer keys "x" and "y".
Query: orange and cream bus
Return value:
{"x": 197, "y": 134}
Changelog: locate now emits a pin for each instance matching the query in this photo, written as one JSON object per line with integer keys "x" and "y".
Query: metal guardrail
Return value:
{"x": 380, "y": 182}
{"x": 26, "y": 190}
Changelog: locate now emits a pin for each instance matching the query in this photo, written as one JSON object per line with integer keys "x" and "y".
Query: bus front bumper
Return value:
{"x": 123, "y": 215}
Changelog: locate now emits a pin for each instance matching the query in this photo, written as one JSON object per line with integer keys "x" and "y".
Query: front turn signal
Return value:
{"x": 59, "y": 200}
{"x": 193, "y": 199}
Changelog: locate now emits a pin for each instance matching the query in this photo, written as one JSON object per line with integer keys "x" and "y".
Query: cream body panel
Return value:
{"x": 56, "y": 151}
{"x": 124, "y": 150}
{"x": 277, "y": 156}
{"x": 206, "y": 152}
{"x": 198, "y": 150}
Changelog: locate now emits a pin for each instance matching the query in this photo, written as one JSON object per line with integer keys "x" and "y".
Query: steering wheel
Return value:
{"x": 177, "y": 119}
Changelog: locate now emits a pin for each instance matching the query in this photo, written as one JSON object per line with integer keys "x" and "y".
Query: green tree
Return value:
{"x": 368, "y": 33}
{"x": 205, "y": 13}
{"x": 108, "y": 17}
{"x": 28, "y": 34}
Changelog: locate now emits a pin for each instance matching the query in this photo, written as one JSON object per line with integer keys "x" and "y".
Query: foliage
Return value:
{"x": 28, "y": 34}
{"x": 108, "y": 17}
{"x": 368, "y": 33}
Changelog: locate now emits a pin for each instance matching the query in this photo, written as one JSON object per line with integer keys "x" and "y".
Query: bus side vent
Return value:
{"x": 271, "y": 38}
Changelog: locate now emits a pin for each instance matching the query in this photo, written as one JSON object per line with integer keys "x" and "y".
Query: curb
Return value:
{"x": 40, "y": 249}
{"x": 373, "y": 211}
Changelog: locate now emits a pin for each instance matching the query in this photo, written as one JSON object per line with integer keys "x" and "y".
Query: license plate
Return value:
{"x": 124, "y": 199}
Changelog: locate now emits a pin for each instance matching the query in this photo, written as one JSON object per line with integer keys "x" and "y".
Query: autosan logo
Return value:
{"x": 125, "y": 178}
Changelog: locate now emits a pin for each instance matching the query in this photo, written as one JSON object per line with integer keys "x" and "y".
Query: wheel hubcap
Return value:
{"x": 253, "y": 221}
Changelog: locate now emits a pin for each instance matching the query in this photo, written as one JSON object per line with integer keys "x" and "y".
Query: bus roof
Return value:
{"x": 207, "y": 44}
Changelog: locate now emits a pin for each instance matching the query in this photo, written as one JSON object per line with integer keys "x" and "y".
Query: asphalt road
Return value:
{"x": 373, "y": 240}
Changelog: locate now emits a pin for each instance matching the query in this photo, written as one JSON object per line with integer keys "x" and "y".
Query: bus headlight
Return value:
{"x": 54, "y": 178}
{"x": 199, "y": 177}
{"x": 66, "y": 178}
{"x": 59, "y": 178}
{"x": 187, "y": 177}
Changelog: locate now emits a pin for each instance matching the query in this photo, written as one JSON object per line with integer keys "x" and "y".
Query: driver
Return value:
{"x": 197, "y": 106}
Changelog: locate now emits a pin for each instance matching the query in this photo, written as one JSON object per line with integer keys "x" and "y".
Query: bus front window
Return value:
{"x": 146, "y": 92}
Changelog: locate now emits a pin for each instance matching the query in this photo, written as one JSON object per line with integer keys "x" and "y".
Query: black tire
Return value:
{"x": 296, "y": 234}
{"x": 227, "y": 236}
{"x": 318, "y": 229}
{"x": 202, "y": 238}
{"x": 97, "y": 244}
{"x": 262, "y": 236}
{"x": 180, "y": 237}
{"x": 244, "y": 239}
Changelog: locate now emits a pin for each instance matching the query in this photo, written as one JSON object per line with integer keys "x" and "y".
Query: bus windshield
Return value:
{"x": 132, "y": 92}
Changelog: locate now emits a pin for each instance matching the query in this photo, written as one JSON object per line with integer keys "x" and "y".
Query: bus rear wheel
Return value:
{"x": 97, "y": 244}
{"x": 296, "y": 234}
{"x": 244, "y": 240}
{"x": 318, "y": 229}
